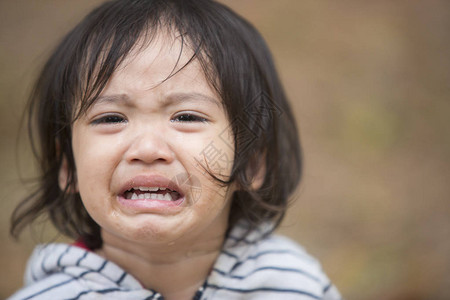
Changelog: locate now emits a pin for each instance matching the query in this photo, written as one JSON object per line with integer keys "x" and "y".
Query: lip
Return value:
{"x": 151, "y": 205}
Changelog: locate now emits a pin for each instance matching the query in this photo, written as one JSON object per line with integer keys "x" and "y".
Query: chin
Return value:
{"x": 154, "y": 229}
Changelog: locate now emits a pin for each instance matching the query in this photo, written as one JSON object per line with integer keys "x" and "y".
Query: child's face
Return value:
{"x": 142, "y": 135}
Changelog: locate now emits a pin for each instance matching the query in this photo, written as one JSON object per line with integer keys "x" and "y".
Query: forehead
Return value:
{"x": 164, "y": 64}
{"x": 160, "y": 58}
{"x": 163, "y": 57}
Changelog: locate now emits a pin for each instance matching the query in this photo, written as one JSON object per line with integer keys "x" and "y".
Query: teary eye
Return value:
{"x": 188, "y": 118}
{"x": 109, "y": 119}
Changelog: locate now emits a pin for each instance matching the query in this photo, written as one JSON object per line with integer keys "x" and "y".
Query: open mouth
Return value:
{"x": 152, "y": 193}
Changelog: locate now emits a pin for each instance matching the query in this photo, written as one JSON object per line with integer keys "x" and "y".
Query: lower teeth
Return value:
{"x": 150, "y": 196}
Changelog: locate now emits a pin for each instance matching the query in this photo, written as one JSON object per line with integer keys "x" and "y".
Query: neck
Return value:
{"x": 176, "y": 270}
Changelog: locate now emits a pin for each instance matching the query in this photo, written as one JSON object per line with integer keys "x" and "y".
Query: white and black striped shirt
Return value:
{"x": 270, "y": 268}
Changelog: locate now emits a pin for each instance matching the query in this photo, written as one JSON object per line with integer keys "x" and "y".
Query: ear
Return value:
{"x": 63, "y": 176}
{"x": 257, "y": 171}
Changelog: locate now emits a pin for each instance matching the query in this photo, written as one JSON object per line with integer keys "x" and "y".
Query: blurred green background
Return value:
{"x": 369, "y": 82}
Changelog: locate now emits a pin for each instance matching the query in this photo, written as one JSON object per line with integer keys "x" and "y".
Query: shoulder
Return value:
{"x": 274, "y": 266}
{"x": 62, "y": 271}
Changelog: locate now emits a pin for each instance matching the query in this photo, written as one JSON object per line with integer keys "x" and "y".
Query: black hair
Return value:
{"x": 236, "y": 62}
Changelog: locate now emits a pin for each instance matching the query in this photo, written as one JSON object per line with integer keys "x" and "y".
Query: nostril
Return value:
{"x": 140, "y": 160}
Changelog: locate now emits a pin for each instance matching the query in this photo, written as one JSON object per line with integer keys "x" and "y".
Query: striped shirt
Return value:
{"x": 270, "y": 268}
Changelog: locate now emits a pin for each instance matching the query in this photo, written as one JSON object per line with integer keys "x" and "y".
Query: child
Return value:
{"x": 168, "y": 152}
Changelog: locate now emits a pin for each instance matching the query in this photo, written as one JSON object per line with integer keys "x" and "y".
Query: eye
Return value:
{"x": 109, "y": 119}
{"x": 188, "y": 117}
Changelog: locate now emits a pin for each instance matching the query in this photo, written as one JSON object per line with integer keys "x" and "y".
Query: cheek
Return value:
{"x": 92, "y": 178}
{"x": 216, "y": 154}
{"x": 94, "y": 156}
{"x": 213, "y": 154}
{"x": 94, "y": 168}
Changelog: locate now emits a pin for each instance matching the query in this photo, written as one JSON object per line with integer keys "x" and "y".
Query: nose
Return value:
{"x": 149, "y": 145}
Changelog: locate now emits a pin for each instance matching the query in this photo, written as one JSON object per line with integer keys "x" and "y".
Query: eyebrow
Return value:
{"x": 171, "y": 99}
{"x": 119, "y": 98}
{"x": 181, "y": 97}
